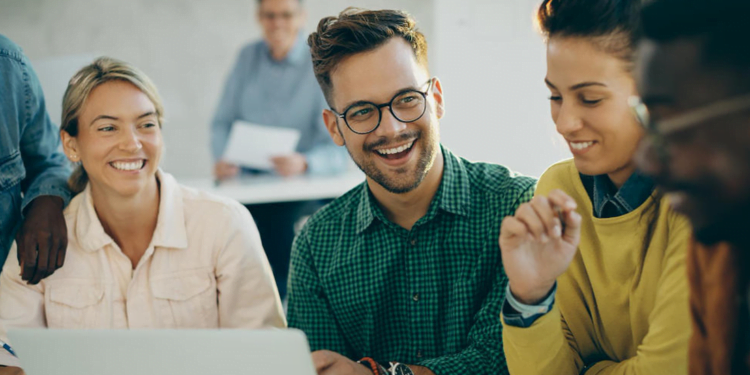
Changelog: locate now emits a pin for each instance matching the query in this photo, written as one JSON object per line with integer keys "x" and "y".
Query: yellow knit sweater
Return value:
{"x": 618, "y": 310}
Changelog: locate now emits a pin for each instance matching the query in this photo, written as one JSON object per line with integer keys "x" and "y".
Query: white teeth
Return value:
{"x": 396, "y": 150}
{"x": 581, "y": 145}
{"x": 131, "y": 166}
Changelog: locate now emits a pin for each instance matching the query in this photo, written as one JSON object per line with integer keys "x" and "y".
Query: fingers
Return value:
{"x": 224, "y": 170}
{"x": 28, "y": 254}
{"x": 567, "y": 207}
{"x": 54, "y": 253}
{"x": 512, "y": 233}
{"x": 528, "y": 216}
{"x": 512, "y": 227}
{"x": 564, "y": 202}
{"x": 61, "y": 252}
{"x": 544, "y": 218}
{"x": 281, "y": 166}
{"x": 61, "y": 243}
{"x": 284, "y": 165}
{"x": 572, "y": 227}
{"x": 322, "y": 359}
{"x": 20, "y": 248}
{"x": 548, "y": 217}
{"x": 44, "y": 245}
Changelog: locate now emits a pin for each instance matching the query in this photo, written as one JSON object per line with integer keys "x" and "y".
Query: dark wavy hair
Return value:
{"x": 358, "y": 30}
{"x": 613, "y": 25}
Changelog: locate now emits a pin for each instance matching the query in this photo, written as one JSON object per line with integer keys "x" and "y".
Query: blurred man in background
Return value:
{"x": 272, "y": 84}
{"x": 695, "y": 101}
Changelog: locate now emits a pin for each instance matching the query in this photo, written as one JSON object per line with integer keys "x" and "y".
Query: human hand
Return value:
{"x": 43, "y": 239}
{"x": 224, "y": 170}
{"x": 534, "y": 248}
{"x": 290, "y": 165}
{"x": 331, "y": 363}
{"x": 11, "y": 371}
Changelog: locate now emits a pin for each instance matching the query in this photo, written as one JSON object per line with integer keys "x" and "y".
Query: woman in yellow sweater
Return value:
{"x": 596, "y": 261}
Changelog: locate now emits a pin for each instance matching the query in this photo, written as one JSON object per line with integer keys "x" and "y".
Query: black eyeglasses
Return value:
{"x": 406, "y": 106}
{"x": 658, "y": 130}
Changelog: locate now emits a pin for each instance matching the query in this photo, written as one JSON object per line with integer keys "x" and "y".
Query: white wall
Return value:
{"x": 186, "y": 47}
{"x": 492, "y": 65}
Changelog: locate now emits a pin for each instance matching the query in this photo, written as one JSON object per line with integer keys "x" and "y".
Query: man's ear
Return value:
{"x": 437, "y": 95}
{"x": 331, "y": 121}
{"x": 70, "y": 146}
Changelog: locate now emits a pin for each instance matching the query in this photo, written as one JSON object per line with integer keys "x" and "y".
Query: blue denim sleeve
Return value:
{"x": 47, "y": 168}
{"x": 518, "y": 314}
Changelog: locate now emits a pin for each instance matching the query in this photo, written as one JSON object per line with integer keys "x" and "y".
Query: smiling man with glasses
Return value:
{"x": 404, "y": 271}
{"x": 694, "y": 83}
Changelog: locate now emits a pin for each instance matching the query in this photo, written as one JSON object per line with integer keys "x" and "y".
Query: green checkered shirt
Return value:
{"x": 363, "y": 286}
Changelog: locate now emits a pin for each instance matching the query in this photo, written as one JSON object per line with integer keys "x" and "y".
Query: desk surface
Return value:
{"x": 273, "y": 189}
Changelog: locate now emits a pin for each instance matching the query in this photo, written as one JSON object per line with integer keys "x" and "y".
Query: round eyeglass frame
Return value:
{"x": 379, "y": 108}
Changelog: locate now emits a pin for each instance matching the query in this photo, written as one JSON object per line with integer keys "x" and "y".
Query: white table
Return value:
{"x": 274, "y": 189}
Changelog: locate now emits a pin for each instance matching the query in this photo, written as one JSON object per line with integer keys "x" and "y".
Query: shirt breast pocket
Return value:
{"x": 186, "y": 300}
{"x": 75, "y": 305}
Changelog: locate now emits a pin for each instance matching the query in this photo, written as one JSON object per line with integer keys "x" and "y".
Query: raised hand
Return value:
{"x": 538, "y": 243}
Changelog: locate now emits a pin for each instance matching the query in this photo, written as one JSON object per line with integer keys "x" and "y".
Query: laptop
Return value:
{"x": 162, "y": 352}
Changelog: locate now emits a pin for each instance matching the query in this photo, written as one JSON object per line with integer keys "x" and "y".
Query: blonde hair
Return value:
{"x": 102, "y": 70}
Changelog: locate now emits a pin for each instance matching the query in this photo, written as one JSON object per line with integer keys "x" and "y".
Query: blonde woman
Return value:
{"x": 143, "y": 251}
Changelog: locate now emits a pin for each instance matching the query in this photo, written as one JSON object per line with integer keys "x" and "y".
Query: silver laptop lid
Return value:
{"x": 161, "y": 352}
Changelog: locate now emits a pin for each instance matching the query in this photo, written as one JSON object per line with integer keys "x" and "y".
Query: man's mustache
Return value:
{"x": 383, "y": 141}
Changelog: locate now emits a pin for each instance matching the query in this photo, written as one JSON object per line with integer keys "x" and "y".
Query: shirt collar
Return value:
{"x": 453, "y": 195}
{"x": 170, "y": 229}
{"x": 170, "y": 225}
{"x": 296, "y": 55}
{"x": 633, "y": 193}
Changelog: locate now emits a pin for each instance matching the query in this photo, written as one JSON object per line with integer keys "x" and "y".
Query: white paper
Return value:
{"x": 253, "y": 146}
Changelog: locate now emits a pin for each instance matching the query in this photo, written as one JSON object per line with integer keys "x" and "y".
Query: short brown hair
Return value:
{"x": 359, "y": 30}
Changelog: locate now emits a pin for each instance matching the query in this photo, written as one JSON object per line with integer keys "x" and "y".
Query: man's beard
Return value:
{"x": 408, "y": 181}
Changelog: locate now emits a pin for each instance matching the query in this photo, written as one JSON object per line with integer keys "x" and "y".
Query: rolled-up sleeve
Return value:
{"x": 46, "y": 167}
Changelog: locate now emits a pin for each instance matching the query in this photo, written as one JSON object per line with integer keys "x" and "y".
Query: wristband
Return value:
{"x": 372, "y": 365}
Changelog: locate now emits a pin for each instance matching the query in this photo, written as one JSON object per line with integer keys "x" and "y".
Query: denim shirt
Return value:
{"x": 31, "y": 164}
{"x": 607, "y": 201}
{"x": 283, "y": 93}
